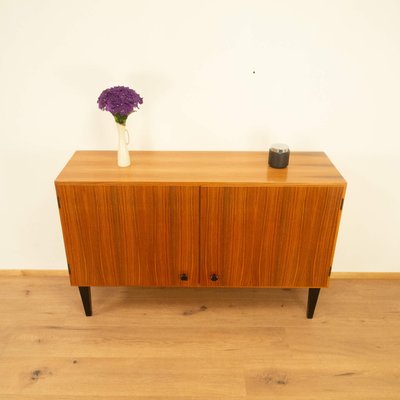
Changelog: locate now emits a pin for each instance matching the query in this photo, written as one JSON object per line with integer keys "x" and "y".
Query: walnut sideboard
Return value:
{"x": 200, "y": 219}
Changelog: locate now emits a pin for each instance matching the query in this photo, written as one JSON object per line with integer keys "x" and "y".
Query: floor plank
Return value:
{"x": 163, "y": 343}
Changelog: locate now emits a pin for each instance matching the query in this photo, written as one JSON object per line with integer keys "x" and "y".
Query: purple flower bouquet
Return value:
{"x": 120, "y": 101}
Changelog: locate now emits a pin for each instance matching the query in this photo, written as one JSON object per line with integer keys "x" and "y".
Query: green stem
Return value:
{"x": 120, "y": 119}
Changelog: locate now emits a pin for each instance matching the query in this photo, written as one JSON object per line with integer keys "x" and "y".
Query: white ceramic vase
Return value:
{"x": 123, "y": 140}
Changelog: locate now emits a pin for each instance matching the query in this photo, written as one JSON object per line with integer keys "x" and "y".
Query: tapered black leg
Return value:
{"x": 312, "y": 301}
{"x": 86, "y": 299}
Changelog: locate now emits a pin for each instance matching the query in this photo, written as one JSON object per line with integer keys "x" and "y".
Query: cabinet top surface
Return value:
{"x": 199, "y": 167}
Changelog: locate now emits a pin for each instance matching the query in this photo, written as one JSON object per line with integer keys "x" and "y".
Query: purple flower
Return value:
{"x": 120, "y": 101}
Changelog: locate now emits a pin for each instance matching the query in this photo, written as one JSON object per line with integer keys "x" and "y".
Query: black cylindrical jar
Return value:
{"x": 278, "y": 156}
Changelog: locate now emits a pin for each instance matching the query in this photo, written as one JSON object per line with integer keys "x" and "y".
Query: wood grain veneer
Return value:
{"x": 199, "y": 213}
{"x": 130, "y": 235}
{"x": 335, "y": 275}
{"x": 275, "y": 236}
{"x": 199, "y": 167}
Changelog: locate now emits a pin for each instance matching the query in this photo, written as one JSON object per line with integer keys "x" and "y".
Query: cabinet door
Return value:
{"x": 130, "y": 235}
{"x": 268, "y": 236}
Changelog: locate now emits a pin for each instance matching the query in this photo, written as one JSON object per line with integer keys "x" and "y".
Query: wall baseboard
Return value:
{"x": 365, "y": 275}
{"x": 33, "y": 272}
{"x": 335, "y": 275}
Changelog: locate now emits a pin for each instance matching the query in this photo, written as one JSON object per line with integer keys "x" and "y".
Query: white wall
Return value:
{"x": 326, "y": 77}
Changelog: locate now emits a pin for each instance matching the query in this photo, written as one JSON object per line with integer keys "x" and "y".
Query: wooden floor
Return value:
{"x": 197, "y": 344}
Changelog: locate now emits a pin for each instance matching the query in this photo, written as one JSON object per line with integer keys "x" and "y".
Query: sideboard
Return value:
{"x": 199, "y": 219}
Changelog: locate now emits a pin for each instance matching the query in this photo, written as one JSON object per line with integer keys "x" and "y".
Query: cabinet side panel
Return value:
{"x": 130, "y": 235}
{"x": 337, "y": 224}
{"x": 268, "y": 236}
